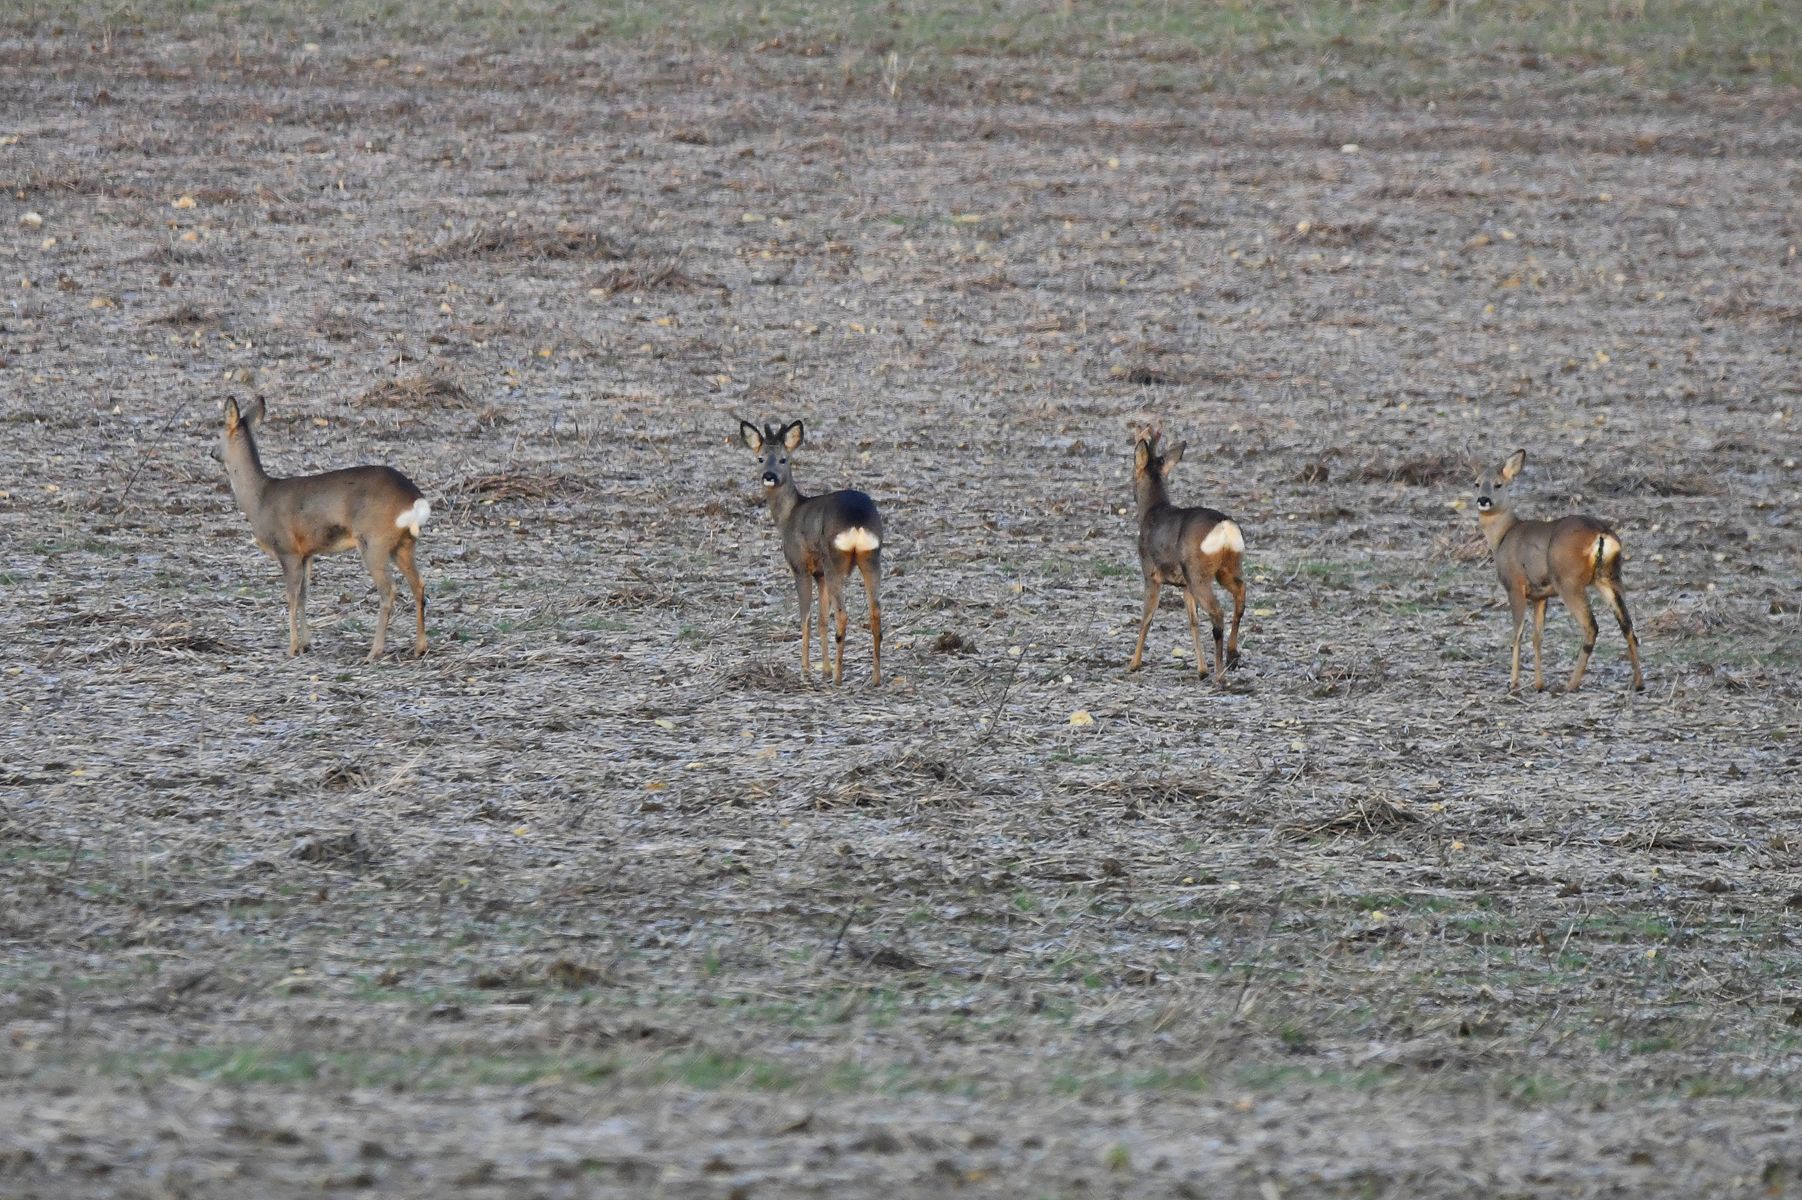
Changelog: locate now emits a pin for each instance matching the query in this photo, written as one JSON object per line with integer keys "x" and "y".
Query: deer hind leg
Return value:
{"x": 375, "y": 557}
{"x": 1203, "y": 591}
{"x": 294, "y": 576}
{"x": 1538, "y": 641}
{"x": 1577, "y": 600}
{"x": 871, "y": 568}
{"x": 836, "y": 575}
{"x": 403, "y": 556}
{"x": 804, "y": 596}
{"x": 1233, "y": 580}
{"x": 825, "y": 610}
{"x": 1611, "y": 592}
{"x": 1152, "y": 588}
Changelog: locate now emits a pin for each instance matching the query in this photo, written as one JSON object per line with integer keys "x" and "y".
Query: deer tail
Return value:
{"x": 1608, "y": 556}
{"x": 414, "y": 517}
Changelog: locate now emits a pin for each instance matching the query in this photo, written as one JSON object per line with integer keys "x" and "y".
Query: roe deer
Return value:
{"x": 1188, "y": 547}
{"x": 1538, "y": 559}
{"x": 375, "y": 509}
{"x": 823, "y": 537}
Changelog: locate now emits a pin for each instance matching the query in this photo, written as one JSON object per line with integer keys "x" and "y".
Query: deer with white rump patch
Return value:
{"x": 1537, "y": 560}
{"x": 377, "y": 510}
{"x": 823, "y": 538}
{"x": 1192, "y": 548}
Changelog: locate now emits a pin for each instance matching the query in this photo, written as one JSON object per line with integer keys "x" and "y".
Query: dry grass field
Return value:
{"x": 602, "y": 899}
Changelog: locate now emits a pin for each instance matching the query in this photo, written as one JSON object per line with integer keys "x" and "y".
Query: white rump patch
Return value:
{"x": 414, "y": 517}
{"x": 1224, "y": 536}
{"x": 1607, "y": 548}
{"x": 856, "y": 539}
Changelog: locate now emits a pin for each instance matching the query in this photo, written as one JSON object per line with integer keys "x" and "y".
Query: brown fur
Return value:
{"x": 1536, "y": 560}
{"x": 809, "y": 526}
{"x": 1171, "y": 551}
{"x": 299, "y": 518}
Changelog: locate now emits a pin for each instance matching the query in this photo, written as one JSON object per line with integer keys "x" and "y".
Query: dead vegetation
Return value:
{"x": 601, "y": 898}
{"x": 424, "y": 390}
{"x": 518, "y": 243}
{"x": 651, "y": 275}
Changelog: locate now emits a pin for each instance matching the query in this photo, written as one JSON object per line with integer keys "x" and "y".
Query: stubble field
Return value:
{"x": 601, "y": 898}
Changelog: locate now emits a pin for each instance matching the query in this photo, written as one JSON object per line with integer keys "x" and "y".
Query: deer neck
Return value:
{"x": 244, "y": 468}
{"x": 784, "y": 499}
{"x": 1151, "y": 492}
{"x": 1495, "y": 525}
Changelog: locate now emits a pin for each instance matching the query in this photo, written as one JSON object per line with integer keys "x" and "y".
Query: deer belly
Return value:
{"x": 333, "y": 539}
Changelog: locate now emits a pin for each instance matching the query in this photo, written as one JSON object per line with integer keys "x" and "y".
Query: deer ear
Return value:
{"x": 752, "y": 437}
{"x": 254, "y": 413}
{"x": 232, "y": 416}
{"x": 1141, "y": 454}
{"x": 1174, "y": 456}
{"x": 792, "y": 433}
{"x": 1512, "y": 467}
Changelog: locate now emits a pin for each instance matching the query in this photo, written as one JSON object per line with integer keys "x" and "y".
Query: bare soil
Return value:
{"x": 602, "y": 898}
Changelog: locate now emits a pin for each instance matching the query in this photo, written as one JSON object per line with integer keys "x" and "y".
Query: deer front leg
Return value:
{"x": 1517, "y": 603}
{"x": 294, "y": 575}
{"x": 1152, "y": 587}
{"x": 1538, "y": 640}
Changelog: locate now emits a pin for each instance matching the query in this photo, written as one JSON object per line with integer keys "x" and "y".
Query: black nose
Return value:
{"x": 769, "y": 477}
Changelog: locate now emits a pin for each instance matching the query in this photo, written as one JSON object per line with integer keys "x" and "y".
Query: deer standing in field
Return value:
{"x": 1189, "y": 547}
{"x": 1536, "y": 560}
{"x": 823, "y": 539}
{"x": 375, "y": 509}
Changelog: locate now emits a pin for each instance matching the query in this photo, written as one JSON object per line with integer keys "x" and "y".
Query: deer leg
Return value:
{"x": 294, "y": 575}
{"x": 375, "y": 557}
{"x": 1577, "y": 600}
{"x": 403, "y": 555}
{"x": 872, "y": 573}
{"x": 1612, "y": 593}
{"x": 825, "y": 609}
{"x": 804, "y": 595}
{"x": 1201, "y": 662}
{"x": 1205, "y": 592}
{"x": 1234, "y": 582}
{"x": 1538, "y": 638}
{"x": 842, "y": 620}
{"x": 1152, "y": 587}
{"x": 1517, "y": 604}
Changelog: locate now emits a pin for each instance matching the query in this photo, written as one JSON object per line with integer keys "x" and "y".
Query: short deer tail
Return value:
{"x": 1608, "y": 556}
{"x": 1224, "y": 536}
{"x": 856, "y": 540}
{"x": 414, "y": 517}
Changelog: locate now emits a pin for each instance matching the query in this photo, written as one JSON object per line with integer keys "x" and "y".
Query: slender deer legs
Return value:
{"x": 1536, "y": 560}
